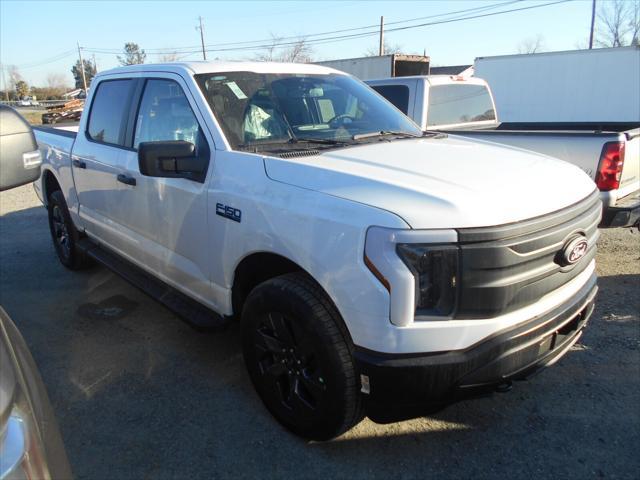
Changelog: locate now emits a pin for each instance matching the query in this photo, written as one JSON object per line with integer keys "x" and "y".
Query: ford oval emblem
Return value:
{"x": 574, "y": 250}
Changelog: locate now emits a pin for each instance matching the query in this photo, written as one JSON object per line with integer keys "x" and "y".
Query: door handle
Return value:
{"x": 127, "y": 180}
{"x": 79, "y": 164}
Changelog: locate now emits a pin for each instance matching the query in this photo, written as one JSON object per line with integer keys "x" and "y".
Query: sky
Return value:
{"x": 41, "y": 37}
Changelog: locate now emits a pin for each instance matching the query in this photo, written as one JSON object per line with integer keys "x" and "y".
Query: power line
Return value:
{"x": 352, "y": 36}
{"x": 295, "y": 39}
{"x": 55, "y": 58}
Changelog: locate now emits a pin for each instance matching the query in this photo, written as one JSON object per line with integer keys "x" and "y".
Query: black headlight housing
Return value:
{"x": 436, "y": 270}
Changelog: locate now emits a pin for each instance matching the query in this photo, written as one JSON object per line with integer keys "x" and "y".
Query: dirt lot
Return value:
{"x": 139, "y": 394}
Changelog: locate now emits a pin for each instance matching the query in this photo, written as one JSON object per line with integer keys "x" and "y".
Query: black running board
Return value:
{"x": 191, "y": 311}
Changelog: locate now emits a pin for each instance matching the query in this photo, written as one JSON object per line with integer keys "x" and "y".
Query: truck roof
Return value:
{"x": 196, "y": 67}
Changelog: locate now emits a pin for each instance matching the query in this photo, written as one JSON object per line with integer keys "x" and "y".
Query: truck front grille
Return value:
{"x": 508, "y": 267}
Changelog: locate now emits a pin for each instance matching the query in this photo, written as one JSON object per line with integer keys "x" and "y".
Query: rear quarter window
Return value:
{"x": 459, "y": 103}
{"x": 396, "y": 94}
{"x": 108, "y": 111}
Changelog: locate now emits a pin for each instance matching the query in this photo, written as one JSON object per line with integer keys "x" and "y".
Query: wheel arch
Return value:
{"x": 50, "y": 184}
{"x": 258, "y": 267}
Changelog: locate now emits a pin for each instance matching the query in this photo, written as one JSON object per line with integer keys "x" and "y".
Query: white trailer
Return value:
{"x": 601, "y": 85}
{"x": 393, "y": 65}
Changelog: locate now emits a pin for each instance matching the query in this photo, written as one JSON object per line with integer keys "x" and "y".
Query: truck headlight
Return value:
{"x": 419, "y": 268}
{"x": 435, "y": 269}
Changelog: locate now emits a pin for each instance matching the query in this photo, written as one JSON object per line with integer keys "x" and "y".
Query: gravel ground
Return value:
{"x": 139, "y": 394}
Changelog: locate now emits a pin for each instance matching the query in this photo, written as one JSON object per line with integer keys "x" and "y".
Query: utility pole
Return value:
{"x": 381, "y": 49}
{"x": 204, "y": 53}
{"x": 593, "y": 21}
{"x": 84, "y": 78}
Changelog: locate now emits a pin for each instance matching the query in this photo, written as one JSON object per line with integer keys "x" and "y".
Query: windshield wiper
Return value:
{"x": 322, "y": 141}
{"x": 434, "y": 134}
{"x": 382, "y": 133}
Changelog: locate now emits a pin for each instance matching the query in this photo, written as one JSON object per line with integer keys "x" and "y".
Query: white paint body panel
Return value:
{"x": 314, "y": 211}
{"x": 440, "y": 183}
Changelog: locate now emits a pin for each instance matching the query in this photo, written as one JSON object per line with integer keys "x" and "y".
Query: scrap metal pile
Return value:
{"x": 67, "y": 112}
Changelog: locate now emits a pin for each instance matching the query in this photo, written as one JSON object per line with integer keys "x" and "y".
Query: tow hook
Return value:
{"x": 504, "y": 387}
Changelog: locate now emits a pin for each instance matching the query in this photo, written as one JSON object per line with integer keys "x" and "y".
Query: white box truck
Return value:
{"x": 573, "y": 86}
{"x": 393, "y": 65}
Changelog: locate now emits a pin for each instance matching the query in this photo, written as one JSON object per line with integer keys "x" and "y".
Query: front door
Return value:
{"x": 166, "y": 218}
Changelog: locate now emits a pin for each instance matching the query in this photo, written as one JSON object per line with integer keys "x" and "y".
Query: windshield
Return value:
{"x": 269, "y": 110}
{"x": 452, "y": 104}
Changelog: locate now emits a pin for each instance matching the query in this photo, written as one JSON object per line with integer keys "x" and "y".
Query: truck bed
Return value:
{"x": 578, "y": 143}
{"x": 66, "y": 130}
{"x": 593, "y": 127}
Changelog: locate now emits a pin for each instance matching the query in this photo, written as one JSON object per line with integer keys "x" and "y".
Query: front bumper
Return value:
{"x": 403, "y": 386}
{"x": 624, "y": 213}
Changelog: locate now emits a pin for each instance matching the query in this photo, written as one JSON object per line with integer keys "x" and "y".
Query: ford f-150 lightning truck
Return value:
{"x": 375, "y": 269}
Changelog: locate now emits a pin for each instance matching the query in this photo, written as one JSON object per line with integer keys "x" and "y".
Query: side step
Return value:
{"x": 193, "y": 312}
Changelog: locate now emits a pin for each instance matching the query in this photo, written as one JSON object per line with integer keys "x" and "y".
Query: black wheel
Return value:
{"x": 64, "y": 234}
{"x": 299, "y": 357}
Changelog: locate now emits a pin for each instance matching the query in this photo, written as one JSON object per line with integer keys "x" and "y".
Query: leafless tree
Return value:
{"x": 298, "y": 52}
{"x": 618, "y": 23}
{"x": 532, "y": 45}
{"x": 14, "y": 76}
{"x": 168, "y": 57}
{"x": 56, "y": 81}
{"x": 388, "y": 48}
{"x": 634, "y": 23}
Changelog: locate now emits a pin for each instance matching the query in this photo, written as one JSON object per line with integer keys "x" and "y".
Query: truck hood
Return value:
{"x": 440, "y": 183}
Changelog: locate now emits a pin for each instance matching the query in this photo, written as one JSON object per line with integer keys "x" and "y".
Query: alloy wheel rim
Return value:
{"x": 288, "y": 366}
{"x": 60, "y": 231}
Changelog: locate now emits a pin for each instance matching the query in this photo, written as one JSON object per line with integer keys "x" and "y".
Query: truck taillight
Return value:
{"x": 610, "y": 166}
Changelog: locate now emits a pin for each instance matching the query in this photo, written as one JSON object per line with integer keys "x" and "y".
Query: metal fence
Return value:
{"x": 39, "y": 103}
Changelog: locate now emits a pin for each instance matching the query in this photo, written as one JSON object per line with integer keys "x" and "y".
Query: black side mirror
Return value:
{"x": 20, "y": 158}
{"x": 172, "y": 159}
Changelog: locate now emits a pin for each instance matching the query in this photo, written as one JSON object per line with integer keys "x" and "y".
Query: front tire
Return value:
{"x": 300, "y": 357}
{"x": 64, "y": 234}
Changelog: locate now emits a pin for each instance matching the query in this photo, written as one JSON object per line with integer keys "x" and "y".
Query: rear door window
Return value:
{"x": 109, "y": 110}
{"x": 396, "y": 94}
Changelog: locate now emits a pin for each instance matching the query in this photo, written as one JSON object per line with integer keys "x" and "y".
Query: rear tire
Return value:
{"x": 300, "y": 357}
{"x": 64, "y": 234}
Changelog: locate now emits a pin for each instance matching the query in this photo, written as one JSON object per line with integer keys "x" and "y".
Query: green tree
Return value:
{"x": 89, "y": 72}
{"x": 22, "y": 89}
{"x": 133, "y": 55}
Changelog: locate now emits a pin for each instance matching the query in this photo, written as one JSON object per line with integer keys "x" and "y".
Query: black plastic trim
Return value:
{"x": 193, "y": 312}
{"x": 508, "y": 267}
{"x": 625, "y": 213}
{"x": 433, "y": 380}
{"x": 125, "y": 114}
{"x": 509, "y": 230}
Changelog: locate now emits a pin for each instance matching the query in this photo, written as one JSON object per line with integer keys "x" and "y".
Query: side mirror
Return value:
{"x": 20, "y": 158}
{"x": 172, "y": 159}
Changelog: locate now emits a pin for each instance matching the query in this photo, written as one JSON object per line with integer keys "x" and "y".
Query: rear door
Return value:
{"x": 97, "y": 153}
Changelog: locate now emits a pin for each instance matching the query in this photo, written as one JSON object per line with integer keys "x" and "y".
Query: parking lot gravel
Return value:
{"x": 139, "y": 394}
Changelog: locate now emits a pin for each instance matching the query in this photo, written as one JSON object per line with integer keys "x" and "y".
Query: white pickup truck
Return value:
{"x": 375, "y": 270}
{"x": 609, "y": 152}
